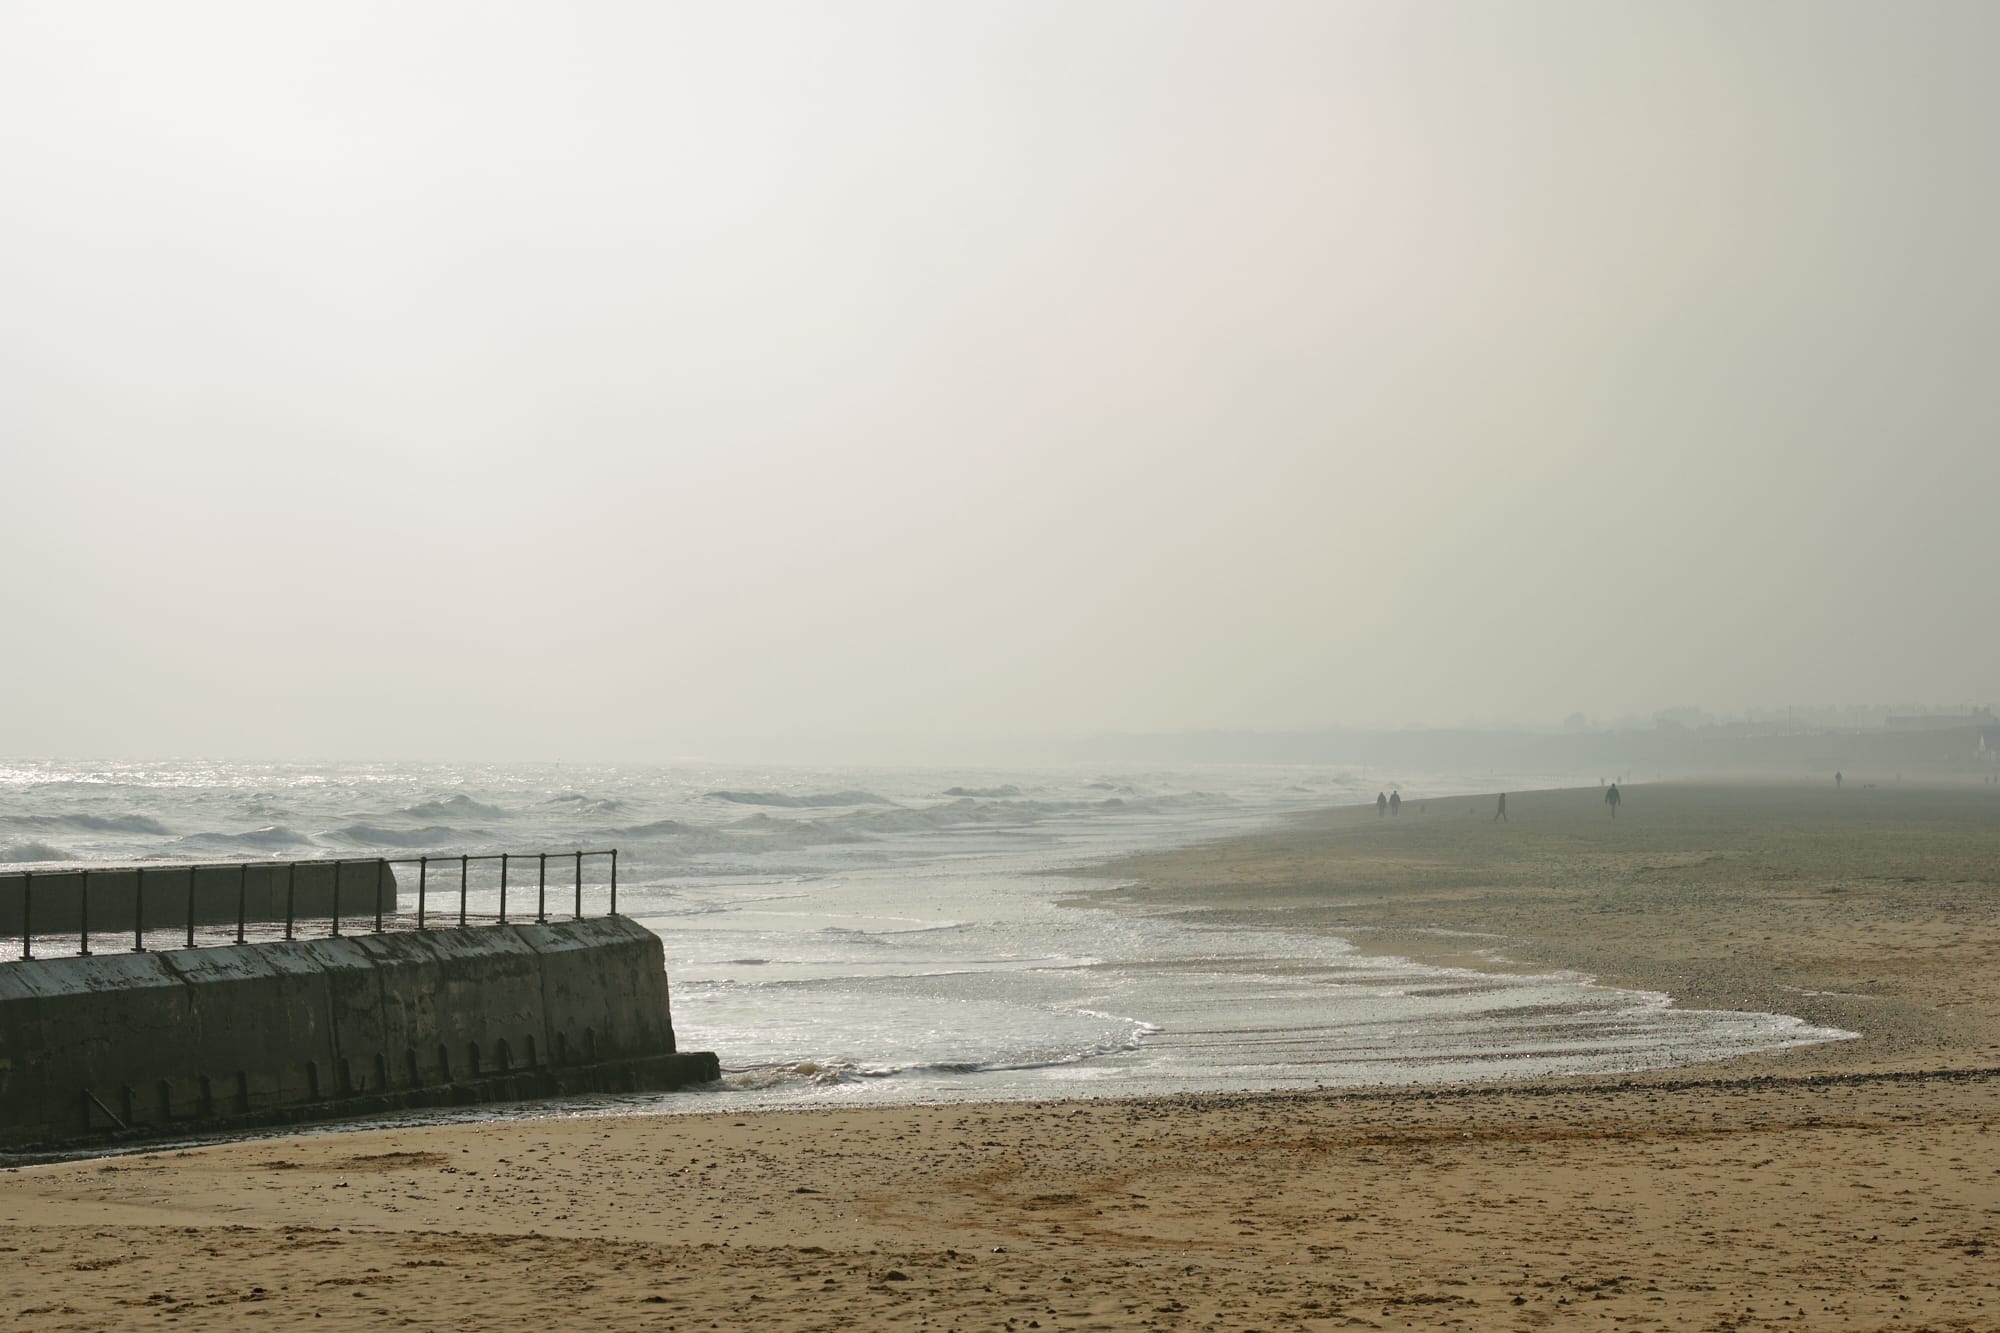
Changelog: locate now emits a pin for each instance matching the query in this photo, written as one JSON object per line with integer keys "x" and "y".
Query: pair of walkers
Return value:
{"x": 1392, "y": 804}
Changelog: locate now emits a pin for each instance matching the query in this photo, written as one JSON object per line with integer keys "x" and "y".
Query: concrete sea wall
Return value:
{"x": 154, "y": 1043}
{"x": 57, "y": 901}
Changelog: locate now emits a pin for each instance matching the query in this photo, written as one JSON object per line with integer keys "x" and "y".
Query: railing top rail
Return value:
{"x": 493, "y": 856}
{"x": 195, "y": 900}
{"x": 94, "y": 867}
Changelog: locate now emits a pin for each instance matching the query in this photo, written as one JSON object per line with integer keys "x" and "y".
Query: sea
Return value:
{"x": 853, "y": 936}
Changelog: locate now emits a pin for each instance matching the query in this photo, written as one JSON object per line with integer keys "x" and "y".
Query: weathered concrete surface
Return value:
{"x": 54, "y": 900}
{"x": 161, "y": 1042}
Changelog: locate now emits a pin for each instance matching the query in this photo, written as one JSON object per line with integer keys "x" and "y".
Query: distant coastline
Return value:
{"x": 1957, "y": 749}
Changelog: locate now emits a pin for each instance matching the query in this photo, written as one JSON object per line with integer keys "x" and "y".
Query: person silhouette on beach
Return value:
{"x": 1612, "y": 798}
{"x": 1395, "y": 803}
{"x": 1836, "y": 779}
{"x": 1381, "y": 805}
{"x": 1500, "y": 815}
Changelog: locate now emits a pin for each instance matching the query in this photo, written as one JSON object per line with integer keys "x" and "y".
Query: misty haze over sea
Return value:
{"x": 1785, "y": 744}
{"x": 909, "y": 381}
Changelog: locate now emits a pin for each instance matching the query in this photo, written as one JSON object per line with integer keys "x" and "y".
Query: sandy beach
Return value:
{"x": 1845, "y": 1185}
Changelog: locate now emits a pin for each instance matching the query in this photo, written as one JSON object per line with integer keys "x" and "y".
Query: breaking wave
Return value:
{"x": 91, "y": 823}
{"x": 460, "y": 806}
{"x": 808, "y": 802}
{"x": 15, "y": 853}
{"x": 436, "y": 835}
{"x": 271, "y": 838}
{"x": 577, "y": 800}
{"x": 659, "y": 828}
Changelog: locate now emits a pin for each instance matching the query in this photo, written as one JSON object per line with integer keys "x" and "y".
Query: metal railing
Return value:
{"x": 453, "y": 881}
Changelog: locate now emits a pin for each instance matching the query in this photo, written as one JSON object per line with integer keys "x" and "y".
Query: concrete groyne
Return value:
{"x": 150, "y": 1043}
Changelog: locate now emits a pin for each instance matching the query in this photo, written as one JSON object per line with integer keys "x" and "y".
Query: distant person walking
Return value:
{"x": 1395, "y": 803}
{"x": 1381, "y": 805}
{"x": 1836, "y": 779}
{"x": 1612, "y": 798}
{"x": 1500, "y": 815}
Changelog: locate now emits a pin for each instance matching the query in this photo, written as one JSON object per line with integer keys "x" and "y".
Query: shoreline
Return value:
{"x": 1789, "y": 900}
{"x": 1844, "y": 1185}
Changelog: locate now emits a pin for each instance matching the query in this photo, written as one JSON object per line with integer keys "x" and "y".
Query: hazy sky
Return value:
{"x": 642, "y": 380}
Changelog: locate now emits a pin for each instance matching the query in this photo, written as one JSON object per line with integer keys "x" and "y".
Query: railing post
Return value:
{"x": 242, "y": 900}
{"x": 423, "y": 873}
{"x": 464, "y": 862}
{"x": 83, "y": 912}
{"x": 291, "y": 884}
{"x": 542, "y": 888}
{"x": 337, "y": 864}
{"x": 381, "y": 868}
{"x": 579, "y": 884}
{"x": 190, "y": 921}
{"x": 614, "y": 881}
{"x": 503, "y": 888}
{"x": 27, "y": 914}
{"x": 139, "y": 909}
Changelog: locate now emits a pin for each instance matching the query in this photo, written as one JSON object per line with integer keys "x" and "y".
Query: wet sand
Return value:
{"x": 1872, "y": 910}
{"x": 1845, "y": 1185}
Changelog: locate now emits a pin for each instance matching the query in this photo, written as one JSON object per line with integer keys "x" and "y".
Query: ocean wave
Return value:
{"x": 917, "y": 819}
{"x": 759, "y": 1078}
{"x": 984, "y": 793}
{"x": 435, "y": 835}
{"x": 659, "y": 828}
{"x": 91, "y": 823}
{"x": 811, "y": 801}
{"x": 460, "y": 806}
{"x": 1118, "y": 1042}
{"x": 771, "y": 830}
{"x": 15, "y": 853}
{"x": 718, "y": 865}
{"x": 965, "y": 811}
{"x": 830, "y": 1072}
{"x": 825, "y": 1072}
{"x": 578, "y": 801}
{"x": 271, "y": 838}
